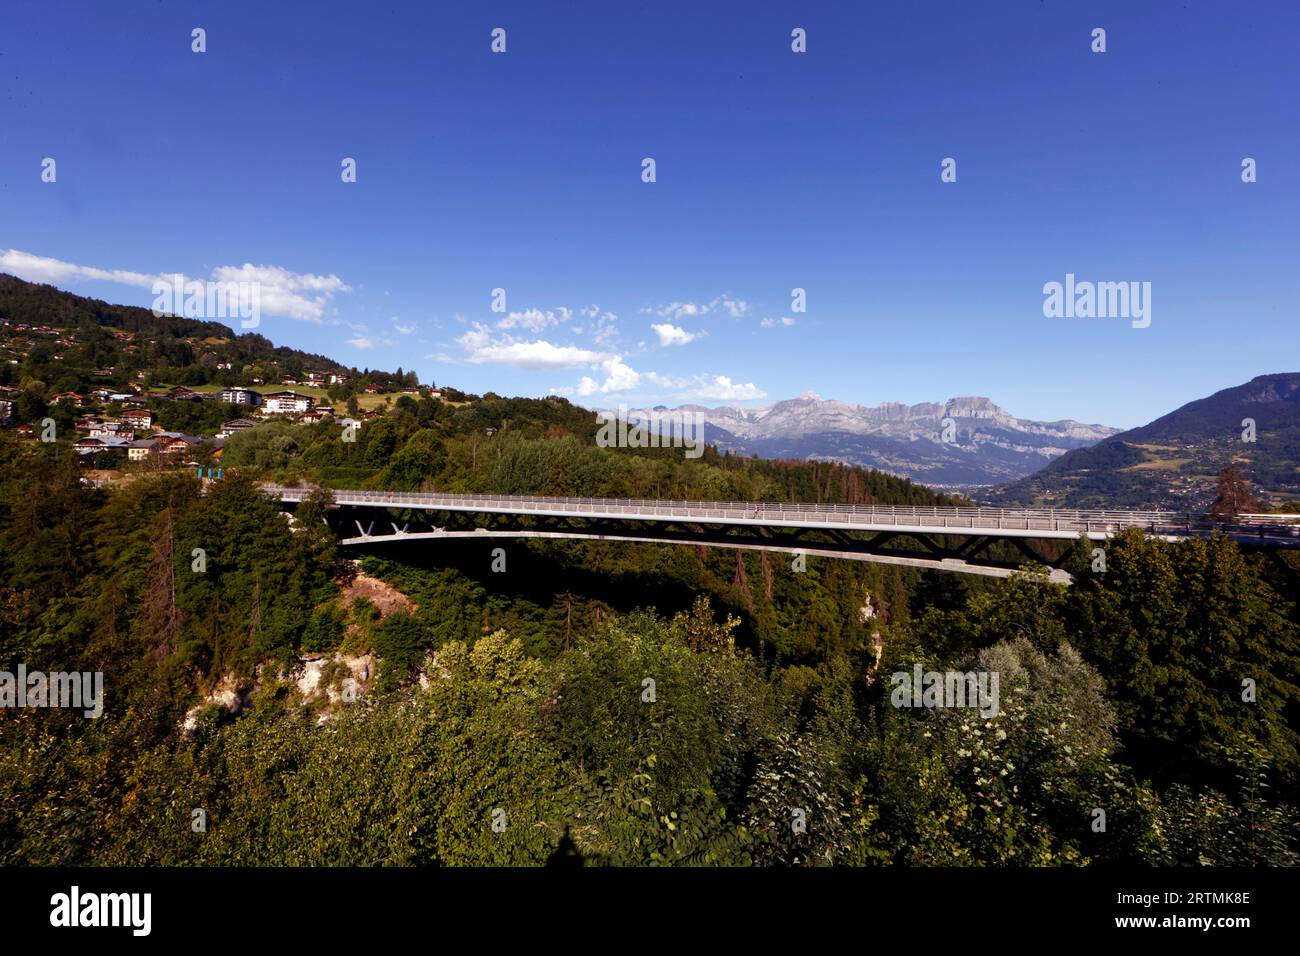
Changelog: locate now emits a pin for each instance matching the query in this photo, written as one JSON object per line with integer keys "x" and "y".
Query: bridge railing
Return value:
{"x": 990, "y": 519}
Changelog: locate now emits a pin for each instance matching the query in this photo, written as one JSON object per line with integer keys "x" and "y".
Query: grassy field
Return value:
{"x": 366, "y": 401}
{"x": 1160, "y": 464}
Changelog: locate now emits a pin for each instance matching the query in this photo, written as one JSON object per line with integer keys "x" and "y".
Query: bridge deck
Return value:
{"x": 1272, "y": 530}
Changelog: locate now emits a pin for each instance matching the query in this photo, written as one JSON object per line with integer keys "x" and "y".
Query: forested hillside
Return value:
{"x": 271, "y": 700}
{"x": 63, "y": 342}
{"x": 609, "y": 704}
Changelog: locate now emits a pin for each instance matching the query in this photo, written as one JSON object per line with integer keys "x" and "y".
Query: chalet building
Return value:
{"x": 6, "y": 410}
{"x": 137, "y": 417}
{"x": 241, "y": 396}
{"x": 374, "y": 389}
{"x": 142, "y": 448}
{"x": 112, "y": 430}
{"x": 236, "y": 425}
{"x": 101, "y": 394}
{"x": 180, "y": 393}
{"x": 72, "y": 397}
{"x": 24, "y": 431}
{"x": 315, "y": 377}
{"x": 175, "y": 443}
{"x": 319, "y": 413}
{"x": 98, "y": 443}
{"x": 286, "y": 403}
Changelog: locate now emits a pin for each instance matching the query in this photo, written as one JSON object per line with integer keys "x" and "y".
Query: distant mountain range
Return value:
{"x": 1174, "y": 461}
{"x": 961, "y": 443}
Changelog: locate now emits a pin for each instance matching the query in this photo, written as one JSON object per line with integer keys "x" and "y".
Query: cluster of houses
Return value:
{"x": 320, "y": 379}
{"x": 417, "y": 391}
{"x": 19, "y": 337}
{"x": 135, "y": 431}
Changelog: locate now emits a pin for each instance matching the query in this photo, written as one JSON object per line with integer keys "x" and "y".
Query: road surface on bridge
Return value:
{"x": 1261, "y": 530}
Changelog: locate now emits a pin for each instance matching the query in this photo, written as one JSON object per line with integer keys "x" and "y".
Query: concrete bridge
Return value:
{"x": 949, "y": 539}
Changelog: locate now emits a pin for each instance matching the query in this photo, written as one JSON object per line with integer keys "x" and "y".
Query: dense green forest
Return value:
{"x": 611, "y": 703}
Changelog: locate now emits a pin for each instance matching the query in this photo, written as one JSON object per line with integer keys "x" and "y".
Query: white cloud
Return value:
{"x": 53, "y": 271}
{"x": 688, "y": 310}
{"x": 534, "y": 320}
{"x": 681, "y": 310}
{"x": 402, "y": 329}
{"x": 734, "y": 307}
{"x": 619, "y": 377}
{"x": 600, "y": 328}
{"x": 295, "y": 295}
{"x": 604, "y": 328}
{"x": 722, "y": 388}
{"x": 482, "y": 347}
{"x": 670, "y": 334}
{"x": 281, "y": 292}
{"x": 667, "y": 381}
{"x": 364, "y": 341}
{"x": 538, "y": 354}
{"x": 773, "y": 323}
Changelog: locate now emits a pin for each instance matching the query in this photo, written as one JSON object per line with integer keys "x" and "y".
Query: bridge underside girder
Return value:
{"x": 370, "y": 526}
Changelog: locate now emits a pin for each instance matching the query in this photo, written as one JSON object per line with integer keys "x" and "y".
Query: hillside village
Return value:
{"x": 133, "y": 398}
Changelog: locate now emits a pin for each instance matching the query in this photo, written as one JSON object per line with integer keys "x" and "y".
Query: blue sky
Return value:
{"x": 775, "y": 170}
